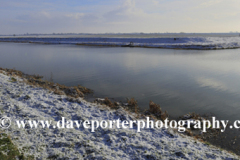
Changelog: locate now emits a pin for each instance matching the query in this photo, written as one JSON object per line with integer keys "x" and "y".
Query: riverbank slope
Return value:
{"x": 21, "y": 101}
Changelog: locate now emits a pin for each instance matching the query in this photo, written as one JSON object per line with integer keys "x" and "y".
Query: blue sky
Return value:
{"x": 95, "y": 16}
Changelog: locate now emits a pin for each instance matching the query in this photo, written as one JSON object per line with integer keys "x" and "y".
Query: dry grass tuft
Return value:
{"x": 84, "y": 89}
{"x": 109, "y": 103}
{"x": 58, "y": 92}
{"x": 133, "y": 103}
{"x": 79, "y": 93}
{"x": 155, "y": 109}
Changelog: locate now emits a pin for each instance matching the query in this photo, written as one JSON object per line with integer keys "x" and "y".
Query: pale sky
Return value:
{"x": 124, "y": 16}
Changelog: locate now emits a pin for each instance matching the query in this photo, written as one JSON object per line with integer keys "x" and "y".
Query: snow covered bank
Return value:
{"x": 200, "y": 43}
{"x": 80, "y": 143}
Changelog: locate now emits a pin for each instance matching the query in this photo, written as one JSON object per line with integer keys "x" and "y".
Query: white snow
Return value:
{"x": 83, "y": 144}
{"x": 201, "y": 43}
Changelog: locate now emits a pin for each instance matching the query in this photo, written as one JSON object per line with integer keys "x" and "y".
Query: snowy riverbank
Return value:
{"x": 21, "y": 101}
{"x": 196, "y": 43}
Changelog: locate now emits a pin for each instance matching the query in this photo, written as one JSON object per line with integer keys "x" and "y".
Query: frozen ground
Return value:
{"x": 81, "y": 143}
{"x": 200, "y": 43}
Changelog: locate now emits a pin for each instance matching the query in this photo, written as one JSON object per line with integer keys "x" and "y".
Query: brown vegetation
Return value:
{"x": 109, "y": 103}
{"x": 155, "y": 109}
{"x": 133, "y": 103}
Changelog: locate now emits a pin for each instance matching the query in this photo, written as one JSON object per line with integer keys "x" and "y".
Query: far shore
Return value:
{"x": 183, "y": 41}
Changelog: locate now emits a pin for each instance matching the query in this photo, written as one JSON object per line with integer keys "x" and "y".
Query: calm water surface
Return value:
{"x": 181, "y": 81}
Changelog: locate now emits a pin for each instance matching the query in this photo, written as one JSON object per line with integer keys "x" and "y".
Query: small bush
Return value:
{"x": 156, "y": 110}
{"x": 164, "y": 115}
{"x": 84, "y": 89}
{"x": 132, "y": 102}
{"x": 79, "y": 93}
{"x": 108, "y": 102}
